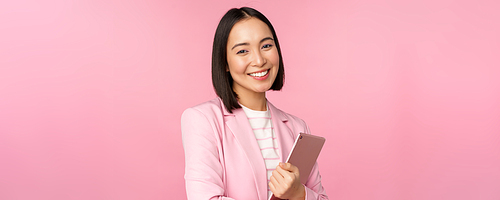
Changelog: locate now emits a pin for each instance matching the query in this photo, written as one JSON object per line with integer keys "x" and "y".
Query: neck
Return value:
{"x": 254, "y": 101}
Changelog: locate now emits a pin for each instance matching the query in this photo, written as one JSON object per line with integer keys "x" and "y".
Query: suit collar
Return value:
{"x": 277, "y": 113}
{"x": 224, "y": 110}
{"x": 283, "y": 131}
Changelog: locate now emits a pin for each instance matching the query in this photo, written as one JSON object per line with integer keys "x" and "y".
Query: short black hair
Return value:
{"x": 221, "y": 78}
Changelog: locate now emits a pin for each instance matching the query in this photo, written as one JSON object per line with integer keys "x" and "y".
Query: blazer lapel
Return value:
{"x": 284, "y": 134}
{"x": 238, "y": 124}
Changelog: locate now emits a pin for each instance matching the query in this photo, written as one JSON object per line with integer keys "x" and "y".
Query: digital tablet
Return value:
{"x": 304, "y": 153}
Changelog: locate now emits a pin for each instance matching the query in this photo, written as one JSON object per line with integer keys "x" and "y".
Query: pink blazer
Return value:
{"x": 223, "y": 159}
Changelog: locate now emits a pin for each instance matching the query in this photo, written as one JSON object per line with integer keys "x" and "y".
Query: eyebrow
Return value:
{"x": 246, "y": 43}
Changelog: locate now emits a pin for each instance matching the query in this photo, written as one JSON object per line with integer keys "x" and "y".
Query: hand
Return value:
{"x": 285, "y": 182}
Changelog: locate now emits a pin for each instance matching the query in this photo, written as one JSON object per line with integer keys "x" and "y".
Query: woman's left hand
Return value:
{"x": 285, "y": 182}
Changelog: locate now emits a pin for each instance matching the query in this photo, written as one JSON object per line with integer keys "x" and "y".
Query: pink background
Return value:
{"x": 407, "y": 94}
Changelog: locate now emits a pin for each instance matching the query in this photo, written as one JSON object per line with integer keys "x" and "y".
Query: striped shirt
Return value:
{"x": 262, "y": 127}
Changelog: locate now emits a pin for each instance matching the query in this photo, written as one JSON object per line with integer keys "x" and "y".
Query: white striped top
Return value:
{"x": 262, "y": 127}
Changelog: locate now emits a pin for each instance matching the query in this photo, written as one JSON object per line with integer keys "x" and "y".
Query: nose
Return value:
{"x": 258, "y": 59}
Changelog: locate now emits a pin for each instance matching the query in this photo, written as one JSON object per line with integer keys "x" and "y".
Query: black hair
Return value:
{"x": 221, "y": 78}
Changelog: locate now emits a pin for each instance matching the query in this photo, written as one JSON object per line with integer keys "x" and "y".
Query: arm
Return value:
{"x": 314, "y": 189}
{"x": 203, "y": 170}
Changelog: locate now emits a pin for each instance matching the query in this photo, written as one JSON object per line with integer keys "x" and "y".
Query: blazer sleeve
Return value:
{"x": 203, "y": 169}
{"x": 314, "y": 189}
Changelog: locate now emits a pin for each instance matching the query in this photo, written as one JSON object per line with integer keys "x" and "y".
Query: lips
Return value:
{"x": 259, "y": 74}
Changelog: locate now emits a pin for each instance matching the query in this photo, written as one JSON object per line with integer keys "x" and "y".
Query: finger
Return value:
{"x": 277, "y": 175}
{"x": 288, "y": 177}
{"x": 289, "y": 167}
{"x": 281, "y": 171}
{"x": 274, "y": 185}
{"x": 284, "y": 173}
{"x": 276, "y": 188}
{"x": 292, "y": 170}
{"x": 295, "y": 170}
{"x": 272, "y": 182}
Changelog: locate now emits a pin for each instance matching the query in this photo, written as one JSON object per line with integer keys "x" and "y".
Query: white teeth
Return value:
{"x": 259, "y": 74}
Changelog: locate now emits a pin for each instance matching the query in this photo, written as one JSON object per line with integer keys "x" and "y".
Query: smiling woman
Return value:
{"x": 239, "y": 33}
{"x": 253, "y": 61}
{"x": 235, "y": 145}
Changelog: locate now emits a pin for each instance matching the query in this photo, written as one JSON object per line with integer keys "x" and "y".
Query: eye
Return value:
{"x": 267, "y": 46}
{"x": 241, "y": 51}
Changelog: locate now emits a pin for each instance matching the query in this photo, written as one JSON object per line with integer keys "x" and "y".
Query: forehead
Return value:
{"x": 249, "y": 30}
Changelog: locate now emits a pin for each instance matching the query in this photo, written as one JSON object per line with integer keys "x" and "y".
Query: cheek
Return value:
{"x": 274, "y": 58}
{"x": 236, "y": 65}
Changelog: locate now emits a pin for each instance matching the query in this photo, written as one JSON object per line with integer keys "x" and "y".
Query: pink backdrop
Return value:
{"x": 407, "y": 94}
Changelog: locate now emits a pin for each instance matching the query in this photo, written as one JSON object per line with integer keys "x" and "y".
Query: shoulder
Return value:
{"x": 206, "y": 110}
{"x": 208, "y": 106}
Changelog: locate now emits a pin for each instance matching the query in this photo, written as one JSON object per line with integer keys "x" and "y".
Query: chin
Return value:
{"x": 263, "y": 89}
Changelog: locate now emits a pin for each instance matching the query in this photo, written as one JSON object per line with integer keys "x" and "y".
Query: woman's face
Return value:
{"x": 252, "y": 57}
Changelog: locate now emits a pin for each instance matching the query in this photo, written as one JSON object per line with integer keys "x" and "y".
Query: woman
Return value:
{"x": 235, "y": 145}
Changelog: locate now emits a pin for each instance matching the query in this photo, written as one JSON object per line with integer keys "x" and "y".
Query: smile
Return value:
{"x": 259, "y": 74}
